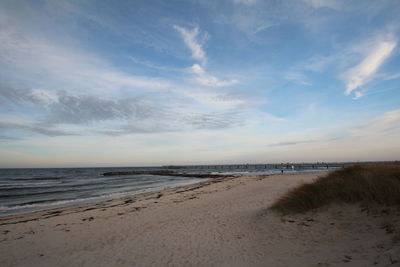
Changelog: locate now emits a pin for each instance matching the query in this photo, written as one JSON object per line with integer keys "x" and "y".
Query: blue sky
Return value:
{"x": 131, "y": 83}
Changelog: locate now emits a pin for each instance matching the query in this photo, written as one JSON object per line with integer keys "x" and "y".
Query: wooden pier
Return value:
{"x": 288, "y": 165}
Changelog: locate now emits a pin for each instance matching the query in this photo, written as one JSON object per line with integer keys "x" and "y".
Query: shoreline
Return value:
{"x": 134, "y": 197}
{"x": 53, "y": 212}
{"x": 212, "y": 223}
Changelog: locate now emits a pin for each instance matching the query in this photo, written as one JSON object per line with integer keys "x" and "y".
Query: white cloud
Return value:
{"x": 204, "y": 78}
{"x": 191, "y": 39}
{"x": 365, "y": 70}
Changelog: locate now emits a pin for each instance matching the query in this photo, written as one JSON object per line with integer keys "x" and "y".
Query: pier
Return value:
{"x": 259, "y": 166}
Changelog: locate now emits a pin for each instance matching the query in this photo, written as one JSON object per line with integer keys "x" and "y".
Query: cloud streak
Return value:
{"x": 365, "y": 70}
{"x": 191, "y": 39}
{"x": 201, "y": 76}
{"x": 291, "y": 143}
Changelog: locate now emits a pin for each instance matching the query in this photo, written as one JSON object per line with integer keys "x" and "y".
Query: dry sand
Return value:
{"x": 220, "y": 223}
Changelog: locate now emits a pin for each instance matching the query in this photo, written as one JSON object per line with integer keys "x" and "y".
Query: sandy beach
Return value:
{"x": 220, "y": 222}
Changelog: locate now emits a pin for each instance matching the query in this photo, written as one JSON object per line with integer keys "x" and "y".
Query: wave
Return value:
{"x": 37, "y": 205}
{"x": 37, "y": 178}
{"x": 28, "y": 185}
{"x": 48, "y": 204}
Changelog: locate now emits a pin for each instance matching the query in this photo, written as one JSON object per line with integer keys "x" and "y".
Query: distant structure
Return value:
{"x": 282, "y": 166}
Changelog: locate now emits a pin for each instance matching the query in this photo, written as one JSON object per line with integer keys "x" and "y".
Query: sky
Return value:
{"x": 148, "y": 82}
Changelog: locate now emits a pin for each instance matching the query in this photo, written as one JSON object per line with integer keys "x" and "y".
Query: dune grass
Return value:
{"x": 375, "y": 183}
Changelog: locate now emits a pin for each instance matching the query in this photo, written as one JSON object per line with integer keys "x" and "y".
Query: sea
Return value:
{"x": 27, "y": 190}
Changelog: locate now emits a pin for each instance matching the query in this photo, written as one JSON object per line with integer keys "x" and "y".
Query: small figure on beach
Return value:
{"x": 281, "y": 171}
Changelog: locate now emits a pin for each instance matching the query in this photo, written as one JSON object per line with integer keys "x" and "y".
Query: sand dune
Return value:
{"x": 224, "y": 222}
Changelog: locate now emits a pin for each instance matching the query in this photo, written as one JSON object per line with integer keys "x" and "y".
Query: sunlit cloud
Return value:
{"x": 365, "y": 70}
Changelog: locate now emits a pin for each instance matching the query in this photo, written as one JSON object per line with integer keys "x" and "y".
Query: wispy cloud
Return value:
{"x": 9, "y": 138}
{"x": 152, "y": 65}
{"x": 204, "y": 78}
{"x": 119, "y": 79}
{"x": 365, "y": 70}
{"x": 251, "y": 17}
{"x": 192, "y": 40}
{"x": 385, "y": 123}
{"x": 374, "y": 136}
{"x": 392, "y": 76}
{"x": 64, "y": 66}
{"x": 381, "y": 125}
{"x": 297, "y": 77}
{"x": 218, "y": 100}
{"x": 291, "y": 143}
{"x": 43, "y": 130}
{"x": 319, "y": 63}
{"x": 214, "y": 121}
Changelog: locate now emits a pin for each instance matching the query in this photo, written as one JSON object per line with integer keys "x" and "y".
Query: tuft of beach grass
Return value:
{"x": 372, "y": 183}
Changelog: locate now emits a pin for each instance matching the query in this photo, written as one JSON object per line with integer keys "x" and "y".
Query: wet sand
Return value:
{"x": 220, "y": 222}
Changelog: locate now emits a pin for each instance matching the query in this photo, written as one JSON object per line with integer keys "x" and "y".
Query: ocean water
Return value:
{"x": 26, "y": 190}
